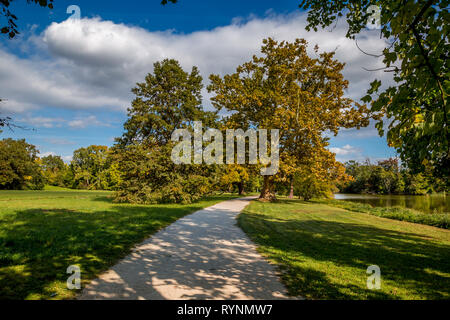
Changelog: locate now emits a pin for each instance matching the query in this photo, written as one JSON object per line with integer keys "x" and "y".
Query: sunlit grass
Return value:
{"x": 43, "y": 232}
{"x": 440, "y": 220}
{"x": 323, "y": 252}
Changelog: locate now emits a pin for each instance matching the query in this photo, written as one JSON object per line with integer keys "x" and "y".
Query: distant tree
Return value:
{"x": 385, "y": 177}
{"x": 388, "y": 177}
{"x": 19, "y": 167}
{"x": 54, "y": 170}
{"x": 418, "y": 57}
{"x": 88, "y": 166}
{"x": 286, "y": 89}
{"x": 416, "y": 184}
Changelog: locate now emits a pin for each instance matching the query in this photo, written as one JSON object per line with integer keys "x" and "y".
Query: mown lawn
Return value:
{"x": 43, "y": 232}
{"x": 323, "y": 252}
{"x": 440, "y": 220}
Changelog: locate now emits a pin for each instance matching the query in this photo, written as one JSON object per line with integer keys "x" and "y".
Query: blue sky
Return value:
{"x": 69, "y": 81}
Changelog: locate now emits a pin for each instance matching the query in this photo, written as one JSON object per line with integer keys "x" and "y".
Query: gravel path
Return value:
{"x": 204, "y": 255}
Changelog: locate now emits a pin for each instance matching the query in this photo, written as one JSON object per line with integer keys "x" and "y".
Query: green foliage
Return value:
{"x": 440, "y": 220}
{"x": 149, "y": 176}
{"x": 416, "y": 183}
{"x": 286, "y": 89}
{"x": 417, "y": 106}
{"x": 54, "y": 170}
{"x": 90, "y": 167}
{"x": 387, "y": 178}
{"x": 319, "y": 176}
{"x": 169, "y": 99}
{"x": 240, "y": 178}
{"x": 308, "y": 187}
{"x": 19, "y": 167}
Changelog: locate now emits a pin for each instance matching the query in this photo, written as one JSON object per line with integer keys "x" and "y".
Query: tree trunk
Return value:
{"x": 267, "y": 192}
{"x": 240, "y": 188}
{"x": 291, "y": 192}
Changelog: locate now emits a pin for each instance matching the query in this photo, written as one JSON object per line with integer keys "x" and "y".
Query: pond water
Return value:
{"x": 428, "y": 203}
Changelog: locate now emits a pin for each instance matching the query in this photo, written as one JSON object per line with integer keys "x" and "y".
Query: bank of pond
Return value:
{"x": 432, "y": 210}
{"x": 435, "y": 203}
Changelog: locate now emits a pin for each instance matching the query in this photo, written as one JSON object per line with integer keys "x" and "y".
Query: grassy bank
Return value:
{"x": 323, "y": 252}
{"x": 440, "y": 220}
{"x": 43, "y": 232}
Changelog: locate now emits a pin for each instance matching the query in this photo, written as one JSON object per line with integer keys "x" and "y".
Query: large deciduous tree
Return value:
{"x": 54, "y": 170}
{"x": 89, "y": 166}
{"x": 169, "y": 99}
{"x": 286, "y": 89}
{"x": 418, "y": 56}
{"x": 19, "y": 167}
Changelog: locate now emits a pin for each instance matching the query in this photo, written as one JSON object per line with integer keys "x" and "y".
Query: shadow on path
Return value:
{"x": 201, "y": 256}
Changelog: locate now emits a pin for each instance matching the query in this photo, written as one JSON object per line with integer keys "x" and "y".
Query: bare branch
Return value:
{"x": 369, "y": 54}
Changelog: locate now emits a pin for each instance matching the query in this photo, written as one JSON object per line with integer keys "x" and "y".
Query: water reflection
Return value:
{"x": 427, "y": 203}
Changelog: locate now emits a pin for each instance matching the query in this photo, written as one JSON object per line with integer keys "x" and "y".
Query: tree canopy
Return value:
{"x": 418, "y": 56}
{"x": 288, "y": 90}
{"x": 169, "y": 99}
{"x": 54, "y": 170}
{"x": 19, "y": 166}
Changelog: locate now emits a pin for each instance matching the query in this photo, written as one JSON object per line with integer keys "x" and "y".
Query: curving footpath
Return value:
{"x": 204, "y": 255}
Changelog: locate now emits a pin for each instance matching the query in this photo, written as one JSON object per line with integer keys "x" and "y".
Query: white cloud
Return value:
{"x": 43, "y": 122}
{"x": 46, "y": 154}
{"x": 345, "y": 150}
{"x": 362, "y": 133}
{"x": 49, "y": 122}
{"x": 67, "y": 159}
{"x": 58, "y": 141}
{"x": 94, "y": 63}
{"x": 85, "y": 122}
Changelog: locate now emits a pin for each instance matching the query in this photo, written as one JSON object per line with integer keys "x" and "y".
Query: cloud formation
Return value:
{"x": 346, "y": 153}
{"x": 78, "y": 122}
{"x": 90, "y": 64}
{"x": 345, "y": 150}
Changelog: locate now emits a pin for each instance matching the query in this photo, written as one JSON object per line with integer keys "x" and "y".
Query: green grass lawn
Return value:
{"x": 43, "y": 232}
{"x": 323, "y": 252}
{"x": 440, "y": 220}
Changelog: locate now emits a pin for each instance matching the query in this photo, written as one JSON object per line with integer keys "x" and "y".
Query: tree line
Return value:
{"x": 96, "y": 168}
{"x": 22, "y": 169}
{"x": 389, "y": 177}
